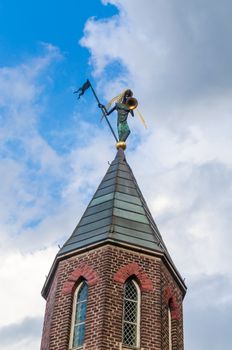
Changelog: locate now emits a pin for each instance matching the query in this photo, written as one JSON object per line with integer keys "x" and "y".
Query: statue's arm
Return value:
{"x": 111, "y": 110}
{"x": 105, "y": 110}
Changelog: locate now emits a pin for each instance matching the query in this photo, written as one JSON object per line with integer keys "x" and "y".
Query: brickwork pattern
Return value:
{"x": 133, "y": 269}
{"x": 171, "y": 297}
{"x": 84, "y": 271}
{"x": 106, "y": 269}
{"x": 50, "y": 305}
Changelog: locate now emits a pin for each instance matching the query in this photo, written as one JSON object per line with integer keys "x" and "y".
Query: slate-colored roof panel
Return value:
{"x": 132, "y": 224}
{"x": 122, "y": 213}
{"x": 101, "y": 199}
{"x": 107, "y": 183}
{"x": 98, "y": 208}
{"x": 126, "y": 183}
{"x": 70, "y": 247}
{"x": 128, "y": 206}
{"x": 92, "y": 226}
{"x": 105, "y": 190}
{"x": 117, "y": 212}
{"x": 93, "y": 218}
{"x": 127, "y": 198}
{"x": 110, "y": 176}
{"x": 89, "y": 234}
{"x": 135, "y": 241}
{"x": 133, "y": 233}
{"x": 127, "y": 190}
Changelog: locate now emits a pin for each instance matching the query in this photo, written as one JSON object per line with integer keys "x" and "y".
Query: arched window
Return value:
{"x": 131, "y": 314}
{"x": 170, "y": 325}
{"x": 79, "y": 316}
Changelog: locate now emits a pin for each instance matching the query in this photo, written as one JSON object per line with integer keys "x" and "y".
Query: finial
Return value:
{"x": 121, "y": 144}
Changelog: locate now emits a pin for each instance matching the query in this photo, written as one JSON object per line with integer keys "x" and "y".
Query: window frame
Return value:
{"x": 169, "y": 326}
{"x": 137, "y": 345}
{"x": 74, "y": 303}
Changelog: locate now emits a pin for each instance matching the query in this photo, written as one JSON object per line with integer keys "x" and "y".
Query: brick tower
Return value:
{"x": 113, "y": 284}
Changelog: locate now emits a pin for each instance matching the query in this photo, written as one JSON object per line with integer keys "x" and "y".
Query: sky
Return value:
{"x": 176, "y": 57}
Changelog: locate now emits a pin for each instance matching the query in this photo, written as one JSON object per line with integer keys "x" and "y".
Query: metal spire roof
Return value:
{"x": 118, "y": 213}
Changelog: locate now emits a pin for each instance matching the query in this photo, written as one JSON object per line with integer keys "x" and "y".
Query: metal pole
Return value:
{"x": 103, "y": 111}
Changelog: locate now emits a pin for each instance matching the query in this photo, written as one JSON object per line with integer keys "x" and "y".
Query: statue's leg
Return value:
{"x": 123, "y": 131}
{"x": 126, "y": 134}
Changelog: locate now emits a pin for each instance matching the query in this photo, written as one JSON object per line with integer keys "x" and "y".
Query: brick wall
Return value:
{"x": 173, "y": 298}
{"x": 106, "y": 269}
{"x": 50, "y": 305}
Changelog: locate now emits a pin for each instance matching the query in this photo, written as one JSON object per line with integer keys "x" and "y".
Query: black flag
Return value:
{"x": 82, "y": 89}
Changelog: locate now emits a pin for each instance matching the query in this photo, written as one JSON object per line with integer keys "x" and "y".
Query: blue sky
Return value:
{"x": 25, "y": 27}
{"x": 176, "y": 57}
{"x": 25, "y": 24}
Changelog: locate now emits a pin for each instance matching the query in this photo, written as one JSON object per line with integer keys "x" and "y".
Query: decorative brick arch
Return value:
{"x": 170, "y": 300}
{"x": 85, "y": 271}
{"x": 134, "y": 269}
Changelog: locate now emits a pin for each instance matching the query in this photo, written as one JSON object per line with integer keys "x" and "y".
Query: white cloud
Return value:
{"x": 189, "y": 139}
{"x": 22, "y": 335}
{"x": 179, "y": 69}
{"x": 28, "y": 168}
{"x": 171, "y": 49}
{"x": 42, "y": 194}
{"x": 177, "y": 59}
{"x": 22, "y": 276}
{"x": 25, "y": 156}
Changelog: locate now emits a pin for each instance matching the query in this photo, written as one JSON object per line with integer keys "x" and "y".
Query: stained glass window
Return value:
{"x": 79, "y": 315}
{"x": 131, "y": 314}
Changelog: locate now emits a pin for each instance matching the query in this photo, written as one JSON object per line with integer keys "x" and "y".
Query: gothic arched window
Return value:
{"x": 131, "y": 314}
{"x": 170, "y": 325}
{"x": 79, "y": 316}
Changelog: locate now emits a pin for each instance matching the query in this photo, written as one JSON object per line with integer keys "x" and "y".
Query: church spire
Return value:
{"x": 113, "y": 284}
{"x": 117, "y": 212}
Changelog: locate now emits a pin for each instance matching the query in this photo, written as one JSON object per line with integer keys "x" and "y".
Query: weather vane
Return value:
{"x": 124, "y": 105}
